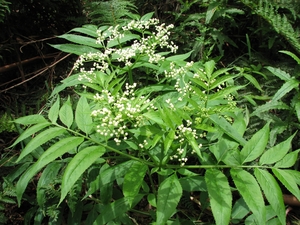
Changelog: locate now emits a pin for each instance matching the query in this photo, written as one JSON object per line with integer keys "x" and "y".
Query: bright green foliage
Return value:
{"x": 146, "y": 125}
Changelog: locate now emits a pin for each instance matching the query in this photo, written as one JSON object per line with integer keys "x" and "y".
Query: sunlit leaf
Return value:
{"x": 285, "y": 88}
{"x": 53, "y": 111}
{"x": 288, "y": 181}
{"x": 83, "y": 115}
{"x": 250, "y": 191}
{"x": 256, "y": 145}
{"x": 288, "y": 160}
{"x": 66, "y": 113}
{"x": 31, "y": 119}
{"x": 272, "y": 191}
{"x": 277, "y": 152}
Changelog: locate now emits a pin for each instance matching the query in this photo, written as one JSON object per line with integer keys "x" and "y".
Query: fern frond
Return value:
{"x": 280, "y": 22}
{"x": 110, "y": 12}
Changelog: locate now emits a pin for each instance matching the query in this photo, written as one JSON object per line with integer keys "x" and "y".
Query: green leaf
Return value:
{"x": 272, "y": 192}
{"x": 168, "y": 196}
{"x": 195, "y": 183}
{"x": 220, "y": 195}
{"x": 279, "y": 73}
{"x": 115, "y": 210}
{"x": 30, "y": 131}
{"x": 112, "y": 173}
{"x": 32, "y": 119}
{"x": 209, "y": 68}
{"x": 286, "y": 88}
{"x": 54, "y": 110}
{"x": 169, "y": 140}
{"x": 82, "y": 40}
{"x": 133, "y": 179}
{"x": 227, "y": 128}
{"x": 75, "y": 49}
{"x": 155, "y": 117}
{"x": 83, "y": 115}
{"x": 147, "y": 16}
{"x": 256, "y": 145}
{"x": 288, "y": 161}
{"x": 269, "y": 106}
{"x": 277, "y": 152}
{"x": 66, "y": 113}
{"x": 48, "y": 176}
{"x": 220, "y": 80}
{"x": 77, "y": 166}
{"x": 121, "y": 40}
{"x": 88, "y": 29}
{"x": 193, "y": 143}
{"x": 40, "y": 139}
{"x": 252, "y": 81}
{"x": 250, "y": 191}
{"x": 179, "y": 57}
{"x": 48, "y": 156}
{"x": 296, "y": 58}
{"x": 288, "y": 181}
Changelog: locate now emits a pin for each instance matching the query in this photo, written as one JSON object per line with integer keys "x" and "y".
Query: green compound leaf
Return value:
{"x": 220, "y": 195}
{"x": 78, "y": 165}
{"x": 54, "y": 110}
{"x": 48, "y": 156}
{"x": 89, "y": 29}
{"x": 83, "y": 115}
{"x": 277, "y": 152}
{"x": 209, "y": 68}
{"x": 272, "y": 192}
{"x": 256, "y": 145}
{"x": 66, "y": 113}
{"x": 133, "y": 179}
{"x": 40, "y": 139}
{"x": 251, "y": 193}
{"x": 288, "y": 181}
{"x": 168, "y": 196}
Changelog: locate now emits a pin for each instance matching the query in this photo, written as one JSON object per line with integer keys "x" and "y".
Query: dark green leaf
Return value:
{"x": 195, "y": 183}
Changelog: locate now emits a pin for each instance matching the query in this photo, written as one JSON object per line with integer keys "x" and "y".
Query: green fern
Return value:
{"x": 280, "y": 23}
{"x": 3, "y": 9}
{"x": 109, "y": 12}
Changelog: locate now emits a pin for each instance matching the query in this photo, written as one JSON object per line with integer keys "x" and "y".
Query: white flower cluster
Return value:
{"x": 146, "y": 45}
{"x": 114, "y": 112}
